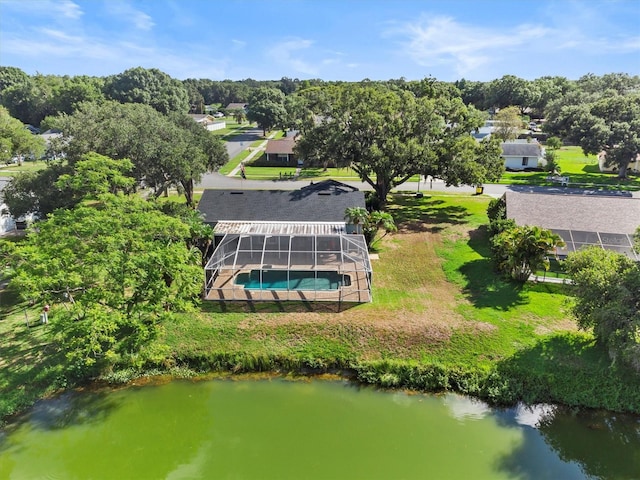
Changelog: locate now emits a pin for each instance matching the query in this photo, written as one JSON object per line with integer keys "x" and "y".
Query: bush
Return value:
{"x": 497, "y": 209}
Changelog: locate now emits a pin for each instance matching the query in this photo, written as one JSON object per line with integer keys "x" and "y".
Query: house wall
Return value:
{"x": 515, "y": 163}
{"x": 633, "y": 166}
{"x": 275, "y": 159}
{"x": 216, "y": 126}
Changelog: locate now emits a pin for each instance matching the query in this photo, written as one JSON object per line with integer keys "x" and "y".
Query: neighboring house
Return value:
{"x": 485, "y": 131}
{"x": 286, "y": 245}
{"x": 237, "y": 106}
{"x": 208, "y": 121}
{"x": 608, "y": 221}
{"x": 634, "y": 166}
{"x": 280, "y": 151}
{"x": 522, "y": 154}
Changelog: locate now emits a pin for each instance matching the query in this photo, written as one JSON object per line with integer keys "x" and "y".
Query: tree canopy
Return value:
{"x": 388, "y": 135}
{"x": 266, "y": 108}
{"x": 16, "y": 140}
{"x": 150, "y": 87}
{"x": 116, "y": 268}
{"x": 165, "y": 150}
{"x": 607, "y": 285}
{"x": 509, "y": 123}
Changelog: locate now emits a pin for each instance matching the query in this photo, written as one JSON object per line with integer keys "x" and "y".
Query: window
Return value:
{"x": 525, "y": 161}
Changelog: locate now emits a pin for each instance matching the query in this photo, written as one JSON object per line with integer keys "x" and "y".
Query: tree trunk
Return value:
{"x": 622, "y": 171}
{"x": 188, "y": 191}
{"x": 382, "y": 190}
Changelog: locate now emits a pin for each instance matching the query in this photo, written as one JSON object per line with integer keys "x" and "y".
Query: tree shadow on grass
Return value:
{"x": 243, "y": 306}
{"x": 485, "y": 287}
{"x": 425, "y": 214}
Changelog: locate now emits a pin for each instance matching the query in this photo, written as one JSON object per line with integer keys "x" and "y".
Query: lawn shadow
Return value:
{"x": 425, "y": 214}
{"x": 485, "y": 287}
{"x": 303, "y": 306}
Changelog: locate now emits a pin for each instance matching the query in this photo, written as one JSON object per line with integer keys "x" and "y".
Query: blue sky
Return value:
{"x": 329, "y": 39}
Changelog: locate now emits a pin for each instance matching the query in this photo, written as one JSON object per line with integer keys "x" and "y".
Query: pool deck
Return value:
{"x": 225, "y": 289}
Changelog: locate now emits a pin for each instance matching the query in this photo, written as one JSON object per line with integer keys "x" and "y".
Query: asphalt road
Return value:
{"x": 240, "y": 142}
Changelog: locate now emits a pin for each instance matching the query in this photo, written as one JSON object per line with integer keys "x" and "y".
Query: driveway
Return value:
{"x": 240, "y": 142}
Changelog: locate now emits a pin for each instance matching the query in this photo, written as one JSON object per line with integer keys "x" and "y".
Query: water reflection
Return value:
{"x": 464, "y": 408}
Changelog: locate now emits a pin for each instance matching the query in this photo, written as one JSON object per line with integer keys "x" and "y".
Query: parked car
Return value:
{"x": 218, "y": 115}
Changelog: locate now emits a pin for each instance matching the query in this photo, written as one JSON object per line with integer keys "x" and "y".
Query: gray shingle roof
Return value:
{"x": 585, "y": 212}
{"x": 325, "y": 201}
{"x": 517, "y": 149}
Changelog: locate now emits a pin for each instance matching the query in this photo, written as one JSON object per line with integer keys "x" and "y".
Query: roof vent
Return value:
{"x": 237, "y": 192}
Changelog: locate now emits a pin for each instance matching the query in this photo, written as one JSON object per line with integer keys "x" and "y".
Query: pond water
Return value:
{"x": 317, "y": 429}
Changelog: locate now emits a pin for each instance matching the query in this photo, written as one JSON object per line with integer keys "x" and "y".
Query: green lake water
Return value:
{"x": 317, "y": 429}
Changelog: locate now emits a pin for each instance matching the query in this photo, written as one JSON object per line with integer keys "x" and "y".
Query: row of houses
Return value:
{"x": 518, "y": 155}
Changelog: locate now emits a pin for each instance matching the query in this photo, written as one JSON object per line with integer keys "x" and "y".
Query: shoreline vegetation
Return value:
{"x": 441, "y": 320}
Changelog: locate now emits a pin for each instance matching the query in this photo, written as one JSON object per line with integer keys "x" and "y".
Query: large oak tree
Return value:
{"x": 388, "y": 135}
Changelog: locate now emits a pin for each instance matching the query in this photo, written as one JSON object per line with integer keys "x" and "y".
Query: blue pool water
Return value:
{"x": 296, "y": 280}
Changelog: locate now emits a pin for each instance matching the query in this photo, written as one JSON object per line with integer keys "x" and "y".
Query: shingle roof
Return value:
{"x": 281, "y": 145}
{"x": 325, "y": 201}
{"x": 590, "y": 213}
{"x": 236, "y": 106}
{"x": 519, "y": 149}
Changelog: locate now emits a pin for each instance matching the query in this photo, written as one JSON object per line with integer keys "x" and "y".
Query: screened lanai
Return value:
{"x": 287, "y": 261}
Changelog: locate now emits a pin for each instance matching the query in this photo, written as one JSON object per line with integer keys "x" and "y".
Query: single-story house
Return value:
{"x": 207, "y": 121}
{"x": 634, "y": 166}
{"x": 279, "y": 245}
{"x": 280, "y": 151}
{"x": 522, "y": 154}
{"x": 608, "y": 221}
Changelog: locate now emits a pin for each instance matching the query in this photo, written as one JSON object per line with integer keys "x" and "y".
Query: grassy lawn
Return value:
{"x": 233, "y": 128}
{"x": 27, "y": 166}
{"x": 582, "y": 170}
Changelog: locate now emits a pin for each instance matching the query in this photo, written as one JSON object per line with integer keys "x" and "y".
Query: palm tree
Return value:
{"x": 357, "y": 216}
{"x": 369, "y": 224}
{"x": 522, "y": 250}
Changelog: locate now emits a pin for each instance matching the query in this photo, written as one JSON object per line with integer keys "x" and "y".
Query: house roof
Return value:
{"x": 582, "y": 212}
{"x": 201, "y": 117}
{"x": 236, "y": 106}
{"x": 281, "y": 146}
{"x": 521, "y": 149}
{"x": 324, "y": 201}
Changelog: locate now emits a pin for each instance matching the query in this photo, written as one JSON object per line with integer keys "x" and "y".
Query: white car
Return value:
{"x": 218, "y": 115}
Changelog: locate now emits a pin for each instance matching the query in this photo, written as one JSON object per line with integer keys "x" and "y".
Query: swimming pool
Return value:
{"x": 292, "y": 280}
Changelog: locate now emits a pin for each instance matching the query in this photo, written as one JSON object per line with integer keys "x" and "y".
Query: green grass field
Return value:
{"x": 583, "y": 171}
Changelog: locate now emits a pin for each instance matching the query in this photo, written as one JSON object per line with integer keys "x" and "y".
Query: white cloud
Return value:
{"x": 126, "y": 12}
{"x": 59, "y": 9}
{"x": 283, "y": 53}
{"x": 440, "y": 40}
{"x": 69, "y": 9}
{"x": 238, "y": 43}
{"x": 464, "y": 49}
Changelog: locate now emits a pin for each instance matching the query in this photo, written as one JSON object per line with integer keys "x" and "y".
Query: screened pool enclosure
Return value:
{"x": 288, "y": 261}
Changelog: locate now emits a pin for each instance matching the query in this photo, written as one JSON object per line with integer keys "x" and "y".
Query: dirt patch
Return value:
{"x": 408, "y": 269}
